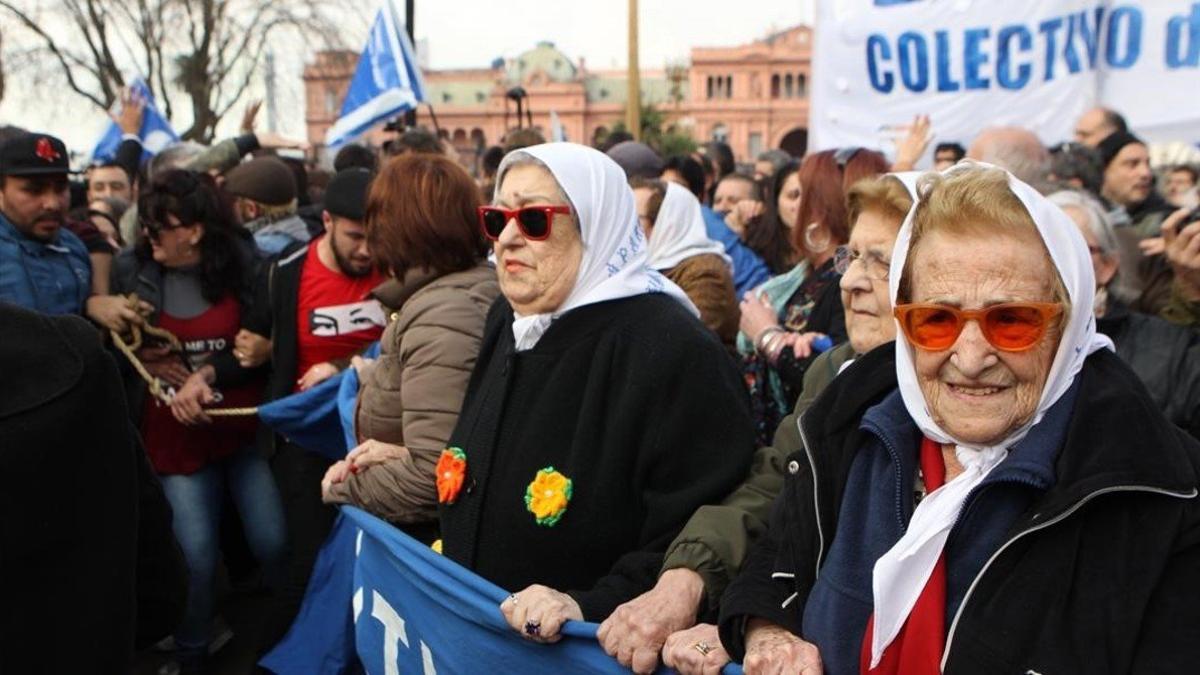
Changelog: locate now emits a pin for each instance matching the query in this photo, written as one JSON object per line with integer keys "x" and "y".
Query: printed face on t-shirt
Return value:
{"x": 346, "y": 319}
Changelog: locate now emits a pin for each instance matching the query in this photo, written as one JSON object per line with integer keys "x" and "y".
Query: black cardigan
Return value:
{"x": 638, "y": 404}
{"x": 87, "y": 554}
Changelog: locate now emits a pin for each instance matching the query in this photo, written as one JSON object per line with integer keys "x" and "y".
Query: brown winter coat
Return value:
{"x": 709, "y": 285}
{"x": 412, "y": 393}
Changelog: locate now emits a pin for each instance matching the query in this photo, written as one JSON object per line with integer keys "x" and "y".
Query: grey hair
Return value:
{"x": 777, "y": 158}
{"x": 1017, "y": 150}
{"x": 1097, "y": 220}
{"x": 175, "y": 156}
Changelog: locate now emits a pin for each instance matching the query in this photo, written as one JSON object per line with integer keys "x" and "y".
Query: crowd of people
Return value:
{"x": 811, "y": 414}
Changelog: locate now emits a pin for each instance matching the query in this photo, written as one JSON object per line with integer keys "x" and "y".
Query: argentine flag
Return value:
{"x": 156, "y": 132}
{"x": 386, "y": 82}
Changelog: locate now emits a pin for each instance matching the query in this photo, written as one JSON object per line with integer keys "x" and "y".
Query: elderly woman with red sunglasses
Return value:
{"x": 600, "y": 413}
{"x": 996, "y": 493}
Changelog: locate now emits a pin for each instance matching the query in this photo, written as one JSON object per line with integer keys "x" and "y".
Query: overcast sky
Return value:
{"x": 469, "y": 34}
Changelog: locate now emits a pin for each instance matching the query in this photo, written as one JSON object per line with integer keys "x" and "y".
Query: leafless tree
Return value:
{"x": 207, "y": 49}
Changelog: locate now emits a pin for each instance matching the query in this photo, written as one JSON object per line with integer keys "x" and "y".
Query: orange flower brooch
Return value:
{"x": 547, "y": 496}
{"x": 451, "y": 471}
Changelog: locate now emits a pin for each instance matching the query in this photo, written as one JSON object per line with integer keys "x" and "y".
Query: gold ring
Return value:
{"x": 703, "y": 647}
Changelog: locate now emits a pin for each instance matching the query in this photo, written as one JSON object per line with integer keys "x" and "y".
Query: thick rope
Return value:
{"x": 158, "y": 388}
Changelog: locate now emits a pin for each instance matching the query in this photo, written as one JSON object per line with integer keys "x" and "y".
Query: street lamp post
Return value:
{"x": 633, "y": 106}
{"x": 410, "y": 117}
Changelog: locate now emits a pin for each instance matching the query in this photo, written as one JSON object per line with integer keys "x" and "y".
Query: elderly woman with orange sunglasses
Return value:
{"x": 996, "y": 492}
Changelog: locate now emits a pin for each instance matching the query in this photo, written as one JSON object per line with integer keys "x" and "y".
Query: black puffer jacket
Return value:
{"x": 1097, "y": 576}
{"x": 1165, "y": 356}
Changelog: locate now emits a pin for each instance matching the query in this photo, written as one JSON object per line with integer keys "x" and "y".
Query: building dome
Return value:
{"x": 545, "y": 57}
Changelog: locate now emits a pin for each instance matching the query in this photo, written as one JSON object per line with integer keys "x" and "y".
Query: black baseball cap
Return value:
{"x": 34, "y": 155}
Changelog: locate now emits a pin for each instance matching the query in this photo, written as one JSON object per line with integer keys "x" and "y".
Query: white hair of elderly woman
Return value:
{"x": 1102, "y": 226}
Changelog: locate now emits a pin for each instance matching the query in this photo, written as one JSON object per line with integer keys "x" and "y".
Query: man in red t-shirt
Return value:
{"x": 312, "y": 314}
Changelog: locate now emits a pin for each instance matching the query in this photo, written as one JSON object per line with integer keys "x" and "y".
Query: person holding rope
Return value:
{"x": 195, "y": 267}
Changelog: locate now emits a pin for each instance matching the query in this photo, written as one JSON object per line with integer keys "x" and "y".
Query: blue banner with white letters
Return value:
{"x": 969, "y": 64}
{"x": 381, "y": 602}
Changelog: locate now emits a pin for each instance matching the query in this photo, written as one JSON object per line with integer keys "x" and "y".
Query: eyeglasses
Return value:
{"x": 876, "y": 268}
{"x": 533, "y": 221}
{"x": 155, "y": 229}
{"x": 1010, "y": 327}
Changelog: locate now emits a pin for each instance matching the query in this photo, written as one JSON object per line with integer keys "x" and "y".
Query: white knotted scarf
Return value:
{"x": 901, "y": 574}
{"x": 679, "y": 231}
{"x": 614, "y": 247}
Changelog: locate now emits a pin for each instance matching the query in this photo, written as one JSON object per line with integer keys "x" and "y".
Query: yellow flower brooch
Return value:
{"x": 451, "y": 471}
{"x": 547, "y": 496}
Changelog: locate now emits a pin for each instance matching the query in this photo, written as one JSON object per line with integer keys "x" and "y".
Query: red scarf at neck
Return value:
{"x": 917, "y": 649}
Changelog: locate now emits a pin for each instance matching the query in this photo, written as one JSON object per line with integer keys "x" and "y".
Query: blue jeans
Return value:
{"x": 196, "y": 502}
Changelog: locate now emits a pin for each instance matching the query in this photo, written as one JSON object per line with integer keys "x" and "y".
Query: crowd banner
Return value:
{"x": 386, "y": 82}
{"x": 968, "y": 64}
{"x": 155, "y": 134}
{"x": 383, "y": 603}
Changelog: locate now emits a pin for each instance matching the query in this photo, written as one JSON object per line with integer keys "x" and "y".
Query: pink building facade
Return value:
{"x": 753, "y": 96}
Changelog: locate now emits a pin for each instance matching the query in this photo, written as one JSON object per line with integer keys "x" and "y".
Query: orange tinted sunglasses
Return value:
{"x": 1010, "y": 327}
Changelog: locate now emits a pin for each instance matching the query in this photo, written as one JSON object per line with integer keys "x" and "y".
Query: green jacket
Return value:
{"x": 717, "y": 538}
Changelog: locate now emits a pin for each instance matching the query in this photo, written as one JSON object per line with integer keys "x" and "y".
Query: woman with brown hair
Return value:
{"x": 423, "y": 229}
{"x": 783, "y": 318}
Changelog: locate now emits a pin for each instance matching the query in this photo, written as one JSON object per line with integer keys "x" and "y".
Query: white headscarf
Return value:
{"x": 679, "y": 231}
{"x": 901, "y": 574}
{"x": 614, "y": 247}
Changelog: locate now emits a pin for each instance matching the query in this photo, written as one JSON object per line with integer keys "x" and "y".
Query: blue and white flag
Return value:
{"x": 382, "y": 602}
{"x": 386, "y": 82}
{"x": 156, "y": 132}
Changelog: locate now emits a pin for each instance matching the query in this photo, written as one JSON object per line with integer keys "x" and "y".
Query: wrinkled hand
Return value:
{"x": 251, "y": 349}
{"x": 636, "y": 631}
{"x": 372, "y": 452}
{"x": 188, "y": 403}
{"x": 114, "y": 312}
{"x": 910, "y": 148}
{"x": 684, "y": 651}
{"x": 542, "y": 610}
{"x": 133, "y": 107}
{"x": 743, "y": 212}
{"x": 270, "y": 140}
{"x": 248, "y": 117}
{"x": 801, "y": 343}
{"x": 337, "y": 473}
{"x": 164, "y": 364}
{"x": 772, "y": 650}
{"x": 316, "y": 375}
{"x": 1183, "y": 252}
{"x": 757, "y": 315}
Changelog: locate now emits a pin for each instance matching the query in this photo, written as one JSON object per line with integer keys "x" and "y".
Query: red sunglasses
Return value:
{"x": 533, "y": 221}
{"x": 1010, "y": 327}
